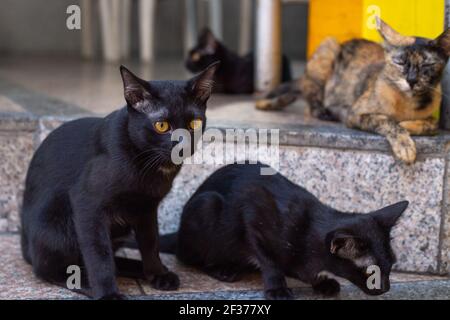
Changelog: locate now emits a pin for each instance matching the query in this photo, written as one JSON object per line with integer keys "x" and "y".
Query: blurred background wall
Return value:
{"x": 39, "y": 27}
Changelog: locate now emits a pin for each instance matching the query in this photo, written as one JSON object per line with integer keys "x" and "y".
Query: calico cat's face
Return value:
{"x": 157, "y": 108}
{"x": 204, "y": 53}
{"x": 363, "y": 243}
{"x": 415, "y": 65}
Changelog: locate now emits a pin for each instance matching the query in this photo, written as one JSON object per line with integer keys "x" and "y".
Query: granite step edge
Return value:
{"x": 419, "y": 290}
{"x": 303, "y": 135}
{"x": 412, "y": 290}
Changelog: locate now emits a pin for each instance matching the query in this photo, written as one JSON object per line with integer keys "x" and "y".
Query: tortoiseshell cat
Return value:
{"x": 235, "y": 74}
{"x": 391, "y": 90}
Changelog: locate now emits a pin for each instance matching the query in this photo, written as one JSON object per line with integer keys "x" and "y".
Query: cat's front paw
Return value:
{"x": 323, "y": 114}
{"x": 327, "y": 287}
{"x": 404, "y": 148}
{"x": 279, "y": 294}
{"x": 420, "y": 127}
{"x": 166, "y": 281}
{"x": 263, "y": 104}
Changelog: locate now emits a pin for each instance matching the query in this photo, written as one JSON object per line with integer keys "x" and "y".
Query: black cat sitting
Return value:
{"x": 239, "y": 221}
{"x": 93, "y": 181}
{"x": 235, "y": 74}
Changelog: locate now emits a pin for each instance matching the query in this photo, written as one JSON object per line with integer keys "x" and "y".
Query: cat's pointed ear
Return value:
{"x": 208, "y": 41}
{"x": 443, "y": 41}
{"x": 391, "y": 36}
{"x": 136, "y": 90}
{"x": 201, "y": 85}
{"x": 344, "y": 244}
{"x": 388, "y": 216}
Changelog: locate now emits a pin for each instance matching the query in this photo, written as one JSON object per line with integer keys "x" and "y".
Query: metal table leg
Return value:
{"x": 190, "y": 30}
{"x": 215, "y": 18}
{"x": 268, "y": 45}
{"x": 125, "y": 15}
{"x": 147, "y": 29}
{"x": 87, "y": 42}
{"x": 245, "y": 27}
{"x": 109, "y": 21}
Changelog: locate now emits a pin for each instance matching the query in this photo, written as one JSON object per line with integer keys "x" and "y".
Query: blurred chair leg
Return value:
{"x": 109, "y": 15}
{"x": 87, "y": 30}
{"x": 116, "y": 28}
{"x": 215, "y": 18}
{"x": 191, "y": 20}
{"x": 268, "y": 45}
{"x": 146, "y": 29}
{"x": 245, "y": 25}
{"x": 125, "y": 28}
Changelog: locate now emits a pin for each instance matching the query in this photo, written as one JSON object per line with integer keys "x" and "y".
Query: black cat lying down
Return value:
{"x": 239, "y": 221}
{"x": 235, "y": 74}
{"x": 95, "y": 180}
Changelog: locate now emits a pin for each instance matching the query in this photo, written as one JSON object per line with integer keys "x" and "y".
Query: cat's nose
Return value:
{"x": 412, "y": 83}
{"x": 412, "y": 79}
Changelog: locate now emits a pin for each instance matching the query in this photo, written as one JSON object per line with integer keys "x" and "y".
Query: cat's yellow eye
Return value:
{"x": 161, "y": 126}
{"x": 195, "y": 124}
{"x": 195, "y": 56}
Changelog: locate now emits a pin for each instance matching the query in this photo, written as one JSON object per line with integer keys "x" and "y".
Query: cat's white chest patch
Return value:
{"x": 327, "y": 274}
{"x": 364, "y": 262}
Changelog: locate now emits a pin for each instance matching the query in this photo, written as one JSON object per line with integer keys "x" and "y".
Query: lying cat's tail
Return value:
{"x": 280, "y": 97}
{"x": 168, "y": 243}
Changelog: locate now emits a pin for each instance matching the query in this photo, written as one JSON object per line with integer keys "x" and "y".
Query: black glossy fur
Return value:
{"x": 94, "y": 181}
{"x": 235, "y": 74}
{"x": 239, "y": 220}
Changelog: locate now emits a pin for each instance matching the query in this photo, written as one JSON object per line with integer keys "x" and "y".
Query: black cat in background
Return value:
{"x": 240, "y": 221}
{"x": 94, "y": 181}
{"x": 235, "y": 74}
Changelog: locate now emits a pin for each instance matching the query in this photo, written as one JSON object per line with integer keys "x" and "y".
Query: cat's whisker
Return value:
{"x": 148, "y": 165}
{"x": 143, "y": 153}
{"x": 153, "y": 163}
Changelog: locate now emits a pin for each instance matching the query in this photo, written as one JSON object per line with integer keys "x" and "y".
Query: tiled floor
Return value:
{"x": 18, "y": 282}
{"x": 96, "y": 87}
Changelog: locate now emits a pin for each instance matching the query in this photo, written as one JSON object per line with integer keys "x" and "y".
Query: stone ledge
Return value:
{"x": 326, "y": 135}
{"x": 354, "y": 181}
{"x": 13, "y": 121}
{"x": 17, "y": 97}
{"x": 333, "y": 135}
{"x": 415, "y": 290}
{"x": 348, "y": 169}
{"x": 18, "y": 282}
{"x": 16, "y": 149}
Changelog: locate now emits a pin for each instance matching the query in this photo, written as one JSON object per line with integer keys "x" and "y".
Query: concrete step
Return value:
{"x": 18, "y": 282}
